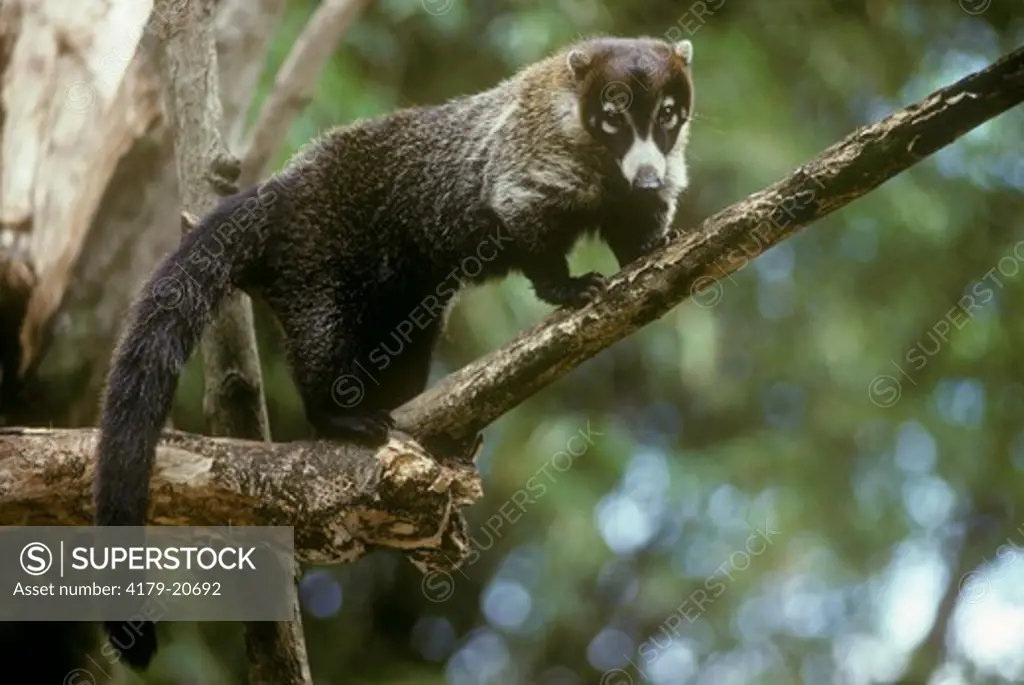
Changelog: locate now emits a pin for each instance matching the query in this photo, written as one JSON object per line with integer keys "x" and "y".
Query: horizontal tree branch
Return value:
{"x": 467, "y": 400}
{"x": 343, "y": 500}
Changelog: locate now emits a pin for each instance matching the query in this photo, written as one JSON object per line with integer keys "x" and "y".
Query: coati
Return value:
{"x": 388, "y": 216}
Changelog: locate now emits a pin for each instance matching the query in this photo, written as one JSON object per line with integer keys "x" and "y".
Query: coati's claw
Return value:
{"x": 661, "y": 242}
{"x": 576, "y": 291}
{"x": 586, "y": 288}
{"x": 371, "y": 428}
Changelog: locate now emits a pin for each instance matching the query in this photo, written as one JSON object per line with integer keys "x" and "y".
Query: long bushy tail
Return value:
{"x": 167, "y": 322}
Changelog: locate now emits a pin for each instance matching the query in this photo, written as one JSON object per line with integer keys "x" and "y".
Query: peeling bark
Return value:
{"x": 74, "y": 102}
{"x": 342, "y": 500}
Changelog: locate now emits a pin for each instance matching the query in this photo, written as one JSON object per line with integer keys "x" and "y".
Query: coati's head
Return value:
{"x": 635, "y": 99}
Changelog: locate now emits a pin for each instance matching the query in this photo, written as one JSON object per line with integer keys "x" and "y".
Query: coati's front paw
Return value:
{"x": 585, "y": 289}
{"x": 370, "y": 428}
{"x": 577, "y": 291}
{"x": 658, "y": 242}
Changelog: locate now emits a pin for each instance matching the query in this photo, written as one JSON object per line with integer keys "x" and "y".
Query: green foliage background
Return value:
{"x": 748, "y": 409}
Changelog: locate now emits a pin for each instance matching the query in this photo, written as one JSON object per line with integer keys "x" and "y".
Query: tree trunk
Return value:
{"x": 89, "y": 198}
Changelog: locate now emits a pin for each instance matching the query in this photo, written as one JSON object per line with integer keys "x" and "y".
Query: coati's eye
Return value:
{"x": 667, "y": 117}
{"x": 612, "y": 121}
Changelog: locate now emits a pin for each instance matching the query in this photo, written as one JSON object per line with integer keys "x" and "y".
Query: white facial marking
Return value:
{"x": 676, "y": 176}
{"x": 643, "y": 152}
{"x": 684, "y": 49}
{"x": 610, "y": 108}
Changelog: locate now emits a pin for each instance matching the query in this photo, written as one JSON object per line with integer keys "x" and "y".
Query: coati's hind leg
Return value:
{"x": 322, "y": 355}
{"x": 370, "y": 427}
{"x": 397, "y": 365}
{"x": 352, "y": 370}
{"x": 336, "y": 398}
{"x": 400, "y": 368}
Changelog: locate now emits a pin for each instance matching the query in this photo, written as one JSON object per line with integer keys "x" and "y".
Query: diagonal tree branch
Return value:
{"x": 467, "y": 400}
{"x": 294, "y": 83}
{"x": 245, "y": 28}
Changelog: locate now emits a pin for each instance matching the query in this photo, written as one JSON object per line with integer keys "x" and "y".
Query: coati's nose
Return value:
{"x": 647, "y": 178}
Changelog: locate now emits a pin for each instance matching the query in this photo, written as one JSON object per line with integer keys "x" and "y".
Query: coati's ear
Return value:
{"x": 578, "y": 61}
{"x": 684, "y": 50}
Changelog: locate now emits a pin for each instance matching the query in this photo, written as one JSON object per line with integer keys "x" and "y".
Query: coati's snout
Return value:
{"x": 648, "y": 178}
